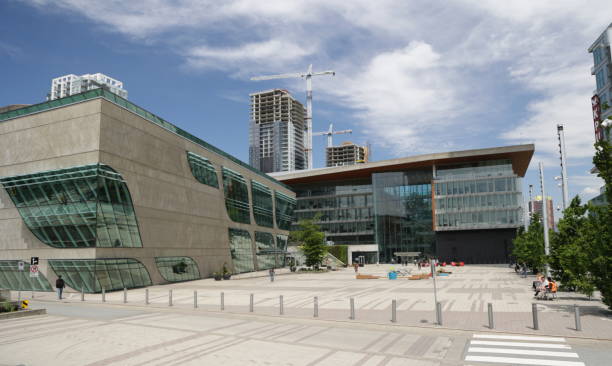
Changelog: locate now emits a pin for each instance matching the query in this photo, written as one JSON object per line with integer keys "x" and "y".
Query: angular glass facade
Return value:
{"x": 177, "y": 269}
{"x": 241, "y": 249}
{"x": 13, "y": 279}
{"x": 93, "y": 275}
{"x": 202, "y": 169}
{"x": 236, "y": 196}
{"x": 346, "y": 210}
{"x": 265, "y": 249}
{"x": 80, "y": 207}
{"x": 262, "y": 204}
{"x": 402, "y": 206}
{"x": 281, "y": 247}
{"x": 484, "y": 195}
{"x": 284, "y": 210}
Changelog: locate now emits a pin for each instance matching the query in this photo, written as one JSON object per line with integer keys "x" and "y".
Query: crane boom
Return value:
{"x": 331, "y": 132}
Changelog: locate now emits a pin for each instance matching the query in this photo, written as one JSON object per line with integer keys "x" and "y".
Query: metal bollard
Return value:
{"x": 281, "y": 309}
{"x": 222, "y": 301}
{"x": 352, "y": 316}
{"x": 103, "y": 295}
{"x": 170, "y": 297}
{"x": 82, "y": 294}
{"x": 316, "y": 307}
{"x": 251, "y": 304}
{"x": 394, "y": 311}
{"x": 577, "y": 318}
{"x": 439, "y": 313}
{"x": 32, "y": 294}
{"x": 146, "y": 296}
{"x": 490, "y": 309}
{"x": 534, "y": 311}
{"x": 124, "y": 295}
{"x": 195, "y": 299}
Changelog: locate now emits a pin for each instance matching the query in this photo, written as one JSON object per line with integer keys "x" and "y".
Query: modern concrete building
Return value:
{"x": 461, "y": 205}
{"x": 109, "y": 195}
{"x": 276, "y": 139}
{"x": 602, "y": 70}
{"x": 347, "y": 153}
{"x": 71, "y": 84}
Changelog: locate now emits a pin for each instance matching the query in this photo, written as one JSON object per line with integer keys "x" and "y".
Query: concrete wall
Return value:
{"x": 177, "y": 215}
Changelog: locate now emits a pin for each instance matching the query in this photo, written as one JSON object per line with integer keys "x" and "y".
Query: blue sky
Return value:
{"x": 412, "y": 76}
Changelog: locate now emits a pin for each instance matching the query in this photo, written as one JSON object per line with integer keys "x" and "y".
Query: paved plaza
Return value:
{"x": 134, "y": 333}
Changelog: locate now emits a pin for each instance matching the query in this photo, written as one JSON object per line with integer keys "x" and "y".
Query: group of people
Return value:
{"x": 543, "y": 285}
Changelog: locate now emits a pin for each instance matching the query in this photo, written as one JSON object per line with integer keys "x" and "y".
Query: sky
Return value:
{"x": 412, "y": 77}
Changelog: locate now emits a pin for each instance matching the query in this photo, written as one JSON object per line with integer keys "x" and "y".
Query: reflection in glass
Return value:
{"x": 176, "y": 269}
{"x": 12, "y": 278}
{"x": 202, "y": 169}
{"x": 284, "y": 210}
{"x": 236, "y": 196}
{"x": 265, "y": 250}
{"x": 241, "y": 249}
{"x": 262, "y": 204}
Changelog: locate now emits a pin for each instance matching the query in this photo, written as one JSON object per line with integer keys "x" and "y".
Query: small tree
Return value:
{"x": 312, "y": 241}
{"x": 529, "y": 245}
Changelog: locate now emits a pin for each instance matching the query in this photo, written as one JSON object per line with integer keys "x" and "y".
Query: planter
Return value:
{"x": 293, "y": 268}
{"x": 227, "y": 276}
{"x": 217, "y": 277}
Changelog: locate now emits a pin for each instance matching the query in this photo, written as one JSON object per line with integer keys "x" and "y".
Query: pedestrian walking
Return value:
{"x": 524, "y": 272}
{"x": 419, "y": 266}
{"x": 59, "y": 286}
{"x": 271, "y": 271}
{"x": 356, "y": 267}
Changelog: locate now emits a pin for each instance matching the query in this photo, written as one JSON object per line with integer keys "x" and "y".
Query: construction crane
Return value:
{"x": 329, "y": 133}
{"x": 308, "y": 76}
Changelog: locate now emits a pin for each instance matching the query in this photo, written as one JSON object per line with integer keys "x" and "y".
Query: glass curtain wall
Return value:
{"x": 262, "y": 204}
{"x": 202, "y": 169}
{"x": 93, "y": 275}
{"x": 177, "y": 269}
{"x": 85, "y": 206}
{"x": 402, "y": 205}
{"x": 241, "y": 249}
{"x": 265, "y": 250}
{"x": 281, "y": 246}
{"x": 483, "y": 195}
{"x": 236, "y": 196}
{"x": 346, "y": 211}
{"x": 13, "y": 279}
{"x": 285, "y": 206}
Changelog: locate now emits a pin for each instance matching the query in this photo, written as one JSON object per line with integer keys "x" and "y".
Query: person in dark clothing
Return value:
{"x": 271, "y": 272}
{"x": 59, "y": 286}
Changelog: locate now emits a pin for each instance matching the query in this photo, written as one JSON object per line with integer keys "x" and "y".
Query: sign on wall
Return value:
{"x": 595, "y": 103}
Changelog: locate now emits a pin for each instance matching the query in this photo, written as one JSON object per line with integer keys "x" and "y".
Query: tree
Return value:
{"x": 312, "y": 241}
{"x": 569, "y": 252}
{"x": 529, "y": 245}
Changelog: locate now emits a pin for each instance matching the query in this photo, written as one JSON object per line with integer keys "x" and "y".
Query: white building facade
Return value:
{"x": 66, "y": 85}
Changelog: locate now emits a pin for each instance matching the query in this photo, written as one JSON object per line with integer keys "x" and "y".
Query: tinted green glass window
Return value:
{"x": 236, "y": 196}
{"x": 85, "y": 206}
{"x": 281, "y": 247}
{"x": 92, "y": 275}
{"x": 13, "y": 279}
{"x": 176, "y": 269}
{"x": 241, "y": 248}
{"x": 262, "y": 204}
{"x": 265, "y": 248}
{"x": 202, "y": 169}
{"x": 284, "y": 210}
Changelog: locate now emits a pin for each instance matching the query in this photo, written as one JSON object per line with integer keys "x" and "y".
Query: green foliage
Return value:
{"x": 569, "y": 258}
{"x": 7, "y": 307}
{"x": 529, "y": 245}
{"x": 311, "y": 240}
{"x": 340, "y": 252}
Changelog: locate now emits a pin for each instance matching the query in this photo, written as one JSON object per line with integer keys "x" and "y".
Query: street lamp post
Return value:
{"x": 544, "y": 217}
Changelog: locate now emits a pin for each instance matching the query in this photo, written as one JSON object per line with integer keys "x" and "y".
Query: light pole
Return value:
{"x": 564, "y": 188}
{"x": 544, "y": 216}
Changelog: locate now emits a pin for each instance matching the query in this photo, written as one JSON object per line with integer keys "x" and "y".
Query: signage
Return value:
{"x": 34, "y": 260}
{"x": 21, "y": 265}
{"x": 34, "y": 270}
{"x": 596, "y": 105}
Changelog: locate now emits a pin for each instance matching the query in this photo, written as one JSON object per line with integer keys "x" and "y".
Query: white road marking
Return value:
{"x": 521, "y": 344}
{"x": 519, "y": 338}
{"x": 526, "y": 352}
{"x": 523, "y": 361}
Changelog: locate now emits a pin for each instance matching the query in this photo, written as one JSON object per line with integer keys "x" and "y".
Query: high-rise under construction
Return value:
{"x": 276, "y": 138}
{"x": 347, "y": 153}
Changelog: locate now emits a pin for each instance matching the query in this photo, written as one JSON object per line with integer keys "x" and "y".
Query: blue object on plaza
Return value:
{"x": 392, "y": 275}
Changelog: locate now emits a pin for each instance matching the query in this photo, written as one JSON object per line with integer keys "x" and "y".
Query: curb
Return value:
{"x": 22, "y": 313}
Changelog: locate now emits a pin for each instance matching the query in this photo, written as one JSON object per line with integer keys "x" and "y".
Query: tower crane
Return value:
{"x": 308, "y": 76}
{"x": 330, "y": 132}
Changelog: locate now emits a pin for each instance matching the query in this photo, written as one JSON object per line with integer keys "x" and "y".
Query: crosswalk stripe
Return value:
{"x": 521, "y": 344}
{"x": 526, "y": 352}
{"x": 519, "y": 338}
{"x": 523, "y": 361}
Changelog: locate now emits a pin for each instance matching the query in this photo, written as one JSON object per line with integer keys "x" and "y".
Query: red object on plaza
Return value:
{"x": 461, "y": 264}
{"x": 453, "y": 264}
{"x": 443, "y": 264}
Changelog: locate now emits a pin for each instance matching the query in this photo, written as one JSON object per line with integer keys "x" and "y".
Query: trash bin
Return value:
{"x": 392, "y": 275}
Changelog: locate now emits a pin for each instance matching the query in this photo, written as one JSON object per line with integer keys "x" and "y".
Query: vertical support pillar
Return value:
{"x": 534, "y": 311}
{"x": 439, "y": 313}
{"x": 281, "y": 309}
{"x": 490, "y": 310}
{"x": 170, "y": 297}
{"x": 394, "y": 311}
{"x": 222, "y": 301}
{"x": 577, "y": 318}
{"x": 316, "y": 307}
{"x": 251, "y": 303}
{"x": 82, "y": 294}
{"x": 124, "y": 295}
{"x": 352, "y": 302}
{"x": 195, "y": 299}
